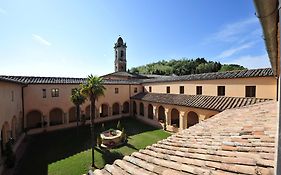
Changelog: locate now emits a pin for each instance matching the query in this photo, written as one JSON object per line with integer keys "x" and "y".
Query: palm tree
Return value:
{"x": 77, "y": 99}
{"x": 93, "y": 89}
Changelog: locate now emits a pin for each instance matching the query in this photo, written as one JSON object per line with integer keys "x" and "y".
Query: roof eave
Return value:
{"x": 267, "y": 12}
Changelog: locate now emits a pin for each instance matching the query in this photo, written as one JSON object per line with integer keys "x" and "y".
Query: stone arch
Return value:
{"x": 104, "y": 110}
{"x": 134, "y": 108}
{"x": 141, "y": 109}
{"x": 192, "y": 118}
{"x": 56, "y": 117}
{"x": 5, "y": 135}
{"x": 126, "y": 107}
{"x": 88, "y": 112}
{"x": 115, "y": 109}
{"x": 161, "y": 114}
{"x": 72, "y": 114}
{"x": 175, "y": 117}
{"x": 14, "y": 127}
{"x": 150, "y": 111}
{"x": 34, "y": 119}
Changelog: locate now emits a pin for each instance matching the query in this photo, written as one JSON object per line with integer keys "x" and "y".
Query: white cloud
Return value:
{"x": 232, "y": 51}
{"x": 252, "y": 62}
{"x": 232, "y": 31}
{"x": 40, "y": 40}
{"x": 3, "y": 11}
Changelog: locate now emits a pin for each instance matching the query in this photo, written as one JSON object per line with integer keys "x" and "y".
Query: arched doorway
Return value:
{"x": 72, "y": 114}
{"x": 134, "y": 108}
{"x": 192, "y": 118}
{"x": 87, "y": 112}
{"x": 56, "y": 117}
{"x": 104, "y": 110}
{"x": 150, "y": 111}
{"x": 14, "y": 127}
{"x": 161, "y": 114}
{"x": 141, "y": 109}
{"x": 175, "y": 117}
{"x": 126, "y": 107}
{"x": 115, "y": 109}
{"x": 4, "y": 136}
{"x": 34, "y": 119}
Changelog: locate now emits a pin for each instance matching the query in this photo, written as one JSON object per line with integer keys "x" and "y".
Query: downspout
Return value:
{"x": 267, "y": 12}
{"x": 22, "y": 103}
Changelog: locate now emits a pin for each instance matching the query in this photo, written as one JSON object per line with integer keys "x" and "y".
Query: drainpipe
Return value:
{"x": 22, "y": 103}
{"x": 267, "y": 12}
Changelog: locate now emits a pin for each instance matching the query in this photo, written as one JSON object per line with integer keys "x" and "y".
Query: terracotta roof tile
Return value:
{"x": 262, "y": 72}
{"x": 215, "y": 146}
{"x": 218, "y": 103}
{"x": 58, "y": 80}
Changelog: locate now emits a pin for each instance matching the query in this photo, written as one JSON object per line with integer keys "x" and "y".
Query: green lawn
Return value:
{"x": 66, "y": 152}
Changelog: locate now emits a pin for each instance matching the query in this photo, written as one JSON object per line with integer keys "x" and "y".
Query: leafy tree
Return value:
{"x": 231, "y": 67}
{"x": 93, "y": 89}
{"x": 77, "y": 99}
{"x": 182, "y": 66}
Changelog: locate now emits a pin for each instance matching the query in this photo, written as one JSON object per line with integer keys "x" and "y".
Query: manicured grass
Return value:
{"x": 66, "y": 152}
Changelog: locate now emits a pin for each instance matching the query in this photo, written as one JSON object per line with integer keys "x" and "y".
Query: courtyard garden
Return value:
{"x": 69, "y": 151}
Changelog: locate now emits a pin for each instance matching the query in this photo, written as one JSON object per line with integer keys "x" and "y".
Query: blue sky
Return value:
{"x": 75, "y": 38}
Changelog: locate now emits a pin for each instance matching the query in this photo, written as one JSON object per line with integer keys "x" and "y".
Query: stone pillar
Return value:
{"x": 47, "y": 117}
{"x": 182, "y": 121}
{"x": 65, "y": 118}
{"x": 167, "y": 116}
{"x": 120, "y": 109}
{"x": 155, "y": 113}
{"x": 145, "y": 110}
{"x": 109, "y": 111}
{"x": 137, "y": 109}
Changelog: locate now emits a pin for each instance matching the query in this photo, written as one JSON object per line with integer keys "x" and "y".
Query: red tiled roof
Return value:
{"x": 236, "y": 141}
{"x": 218, "y": 103}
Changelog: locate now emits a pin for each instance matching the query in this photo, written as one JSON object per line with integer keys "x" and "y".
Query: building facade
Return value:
{"x": 37, "y": 104}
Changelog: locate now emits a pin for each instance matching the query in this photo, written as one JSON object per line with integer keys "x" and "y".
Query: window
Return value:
{"x": 168, "y": 89}
{"x": 12, "y": 95}
{"x": 221, "y": 90}
{"x": 250, "y": 91}
{"x": 135, "y": 90}
{"x": 143, "y": 89}
{"x": 150, "y": 89}
{"x": 44, "y": 93}
{"x": 122, "y": 53}
{"x": 198, "y": 90}
{"x": 181, "y": 89}
{"x": 55, "y": 92}
{"x": 116, "y": 90}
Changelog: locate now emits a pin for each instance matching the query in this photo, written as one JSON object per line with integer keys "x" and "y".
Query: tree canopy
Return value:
{"x": 184, "y": 66}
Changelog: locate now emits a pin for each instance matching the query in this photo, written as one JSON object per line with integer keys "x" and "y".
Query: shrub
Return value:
{"x": 119, "y": 127}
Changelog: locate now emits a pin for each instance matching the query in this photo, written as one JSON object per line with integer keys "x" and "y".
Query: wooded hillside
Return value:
{"x": 184, "y": 67}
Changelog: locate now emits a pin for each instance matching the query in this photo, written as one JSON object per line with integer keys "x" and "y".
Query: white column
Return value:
{"x": 181, "y": 119}
{"x": 155, "y": 113}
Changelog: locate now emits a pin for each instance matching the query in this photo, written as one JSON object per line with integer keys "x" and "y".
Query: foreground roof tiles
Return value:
{"x": 236, "y": 141}
{"x": 262, "y": 72}
{"x": 218, "y": 103}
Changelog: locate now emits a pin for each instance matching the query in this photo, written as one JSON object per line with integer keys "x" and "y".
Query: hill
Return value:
{"x": 184, "y": 66}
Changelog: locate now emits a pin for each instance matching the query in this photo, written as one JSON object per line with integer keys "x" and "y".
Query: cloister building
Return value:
{"x": 35, "y": 104}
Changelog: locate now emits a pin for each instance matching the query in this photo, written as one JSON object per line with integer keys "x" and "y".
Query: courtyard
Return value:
{"x": 68, "y": 151}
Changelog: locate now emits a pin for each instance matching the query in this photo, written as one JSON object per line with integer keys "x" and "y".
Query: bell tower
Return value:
{"x": 120, "y": 55}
